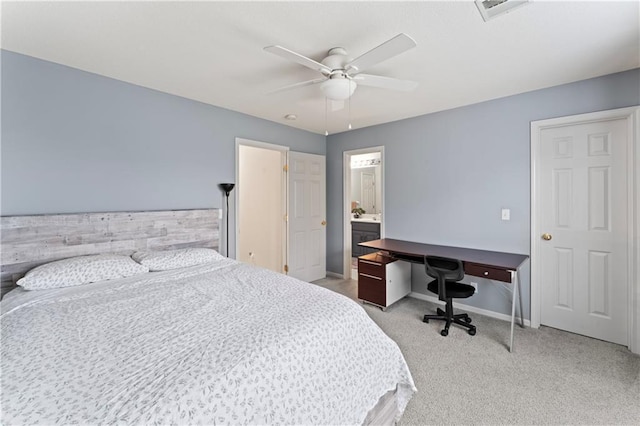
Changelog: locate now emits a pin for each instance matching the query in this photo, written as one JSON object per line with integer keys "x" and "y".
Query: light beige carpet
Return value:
{"x": 552, "y": 377}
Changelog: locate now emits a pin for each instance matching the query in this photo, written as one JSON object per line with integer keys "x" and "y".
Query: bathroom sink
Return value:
{"x": 373, "y": 219}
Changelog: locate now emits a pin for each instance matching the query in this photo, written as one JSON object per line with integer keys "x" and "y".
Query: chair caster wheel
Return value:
{"x": 467, "y": 319}
{"x": 444, "y": 333}
{"x": 472, "y": 332}
{"x": 425, "y": 319}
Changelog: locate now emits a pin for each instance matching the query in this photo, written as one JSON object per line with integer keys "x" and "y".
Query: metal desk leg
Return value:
{"x": 520, "y": 302}
{"x": 514, "y": 281}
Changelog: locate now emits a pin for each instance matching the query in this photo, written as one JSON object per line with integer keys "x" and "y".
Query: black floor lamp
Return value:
{"x": 227, "y": 188}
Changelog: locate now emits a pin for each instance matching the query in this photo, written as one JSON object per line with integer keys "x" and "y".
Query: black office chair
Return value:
{"x": 447, "y": 273}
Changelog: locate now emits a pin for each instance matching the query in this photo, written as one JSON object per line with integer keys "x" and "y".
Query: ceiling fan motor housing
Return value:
{"x": 336, "y": 59}
{"x": 339, "y": 85}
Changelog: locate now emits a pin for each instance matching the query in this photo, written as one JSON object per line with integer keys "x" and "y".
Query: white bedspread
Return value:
{"x": 221, "y": 343}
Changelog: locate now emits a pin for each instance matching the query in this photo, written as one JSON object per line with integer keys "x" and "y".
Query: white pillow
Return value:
{"x": 173, "y": 259}
{"x": 80, "y": 270}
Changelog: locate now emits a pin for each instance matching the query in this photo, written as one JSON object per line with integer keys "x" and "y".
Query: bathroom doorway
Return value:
{"x": 363, "y": 203}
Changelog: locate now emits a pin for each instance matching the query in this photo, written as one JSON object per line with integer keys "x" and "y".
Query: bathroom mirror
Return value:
{"x": 366, "y": 191}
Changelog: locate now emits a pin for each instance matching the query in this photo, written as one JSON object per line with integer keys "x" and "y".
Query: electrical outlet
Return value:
{"x": 506, "y": 214}
{"x": 474, "y": 285}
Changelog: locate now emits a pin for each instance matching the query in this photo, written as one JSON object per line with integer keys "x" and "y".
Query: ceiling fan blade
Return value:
{"x": 385, "y": 82}
{"x": 296, "y": 85}
{"x": 386, "y": 50}
{"x": 298, "y": 58}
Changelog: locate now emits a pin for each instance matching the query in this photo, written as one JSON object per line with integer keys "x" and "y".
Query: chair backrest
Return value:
{"x": 448, "y": 269}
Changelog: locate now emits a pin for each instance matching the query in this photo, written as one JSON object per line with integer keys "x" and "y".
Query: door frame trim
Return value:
{"x": 632, "y": 115}
{"x": 346, "y": 202}
{"x": 236, "y": 206}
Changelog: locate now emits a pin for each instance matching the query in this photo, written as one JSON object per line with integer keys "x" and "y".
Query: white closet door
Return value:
{"x": 583, "y": 212}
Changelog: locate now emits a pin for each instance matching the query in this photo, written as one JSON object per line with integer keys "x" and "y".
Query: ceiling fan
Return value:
{"x": 341, "y": 75}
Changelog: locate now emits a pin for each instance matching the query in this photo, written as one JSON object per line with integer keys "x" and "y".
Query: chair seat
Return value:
{"x": 456, "y": 290}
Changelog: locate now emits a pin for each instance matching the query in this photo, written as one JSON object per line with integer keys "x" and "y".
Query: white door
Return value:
{"x": 261, "y": 207}
{"x": 582, "y": 196}
{"x": 368, "y": 191}
{"x": 307, "y": 216}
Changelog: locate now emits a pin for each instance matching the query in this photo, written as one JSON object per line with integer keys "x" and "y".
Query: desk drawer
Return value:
{"x": 372, "y": 268}
{"x": 487, "y": 272}
{"x": 372, "y": 289}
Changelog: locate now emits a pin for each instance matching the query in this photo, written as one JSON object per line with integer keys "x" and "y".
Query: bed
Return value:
{"x": 220, "y": 342}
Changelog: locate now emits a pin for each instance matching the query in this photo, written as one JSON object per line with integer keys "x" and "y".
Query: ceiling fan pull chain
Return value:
{"x": 349, "y": 100}
{"x": 326, "y": 131}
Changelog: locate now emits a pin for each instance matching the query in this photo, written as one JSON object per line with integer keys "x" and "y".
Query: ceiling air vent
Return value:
{"x": 489, "y": 9}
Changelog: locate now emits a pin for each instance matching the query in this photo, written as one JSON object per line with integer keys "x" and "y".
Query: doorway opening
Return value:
{"x": 261, "y": 195}
{"x": 363, "y": 205}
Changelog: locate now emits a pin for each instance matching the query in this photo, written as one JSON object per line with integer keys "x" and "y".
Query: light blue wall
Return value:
{"x": 73, "y": 141}
{"x": 449, "y": 174}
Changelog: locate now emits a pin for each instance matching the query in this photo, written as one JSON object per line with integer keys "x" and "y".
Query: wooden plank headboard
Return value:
{"x": 29, "y": 241}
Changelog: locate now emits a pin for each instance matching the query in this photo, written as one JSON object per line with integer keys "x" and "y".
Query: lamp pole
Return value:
{"x": 227, "y": 188}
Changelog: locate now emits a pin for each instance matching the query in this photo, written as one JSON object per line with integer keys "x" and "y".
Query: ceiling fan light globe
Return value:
{"x": 338, "y": 89}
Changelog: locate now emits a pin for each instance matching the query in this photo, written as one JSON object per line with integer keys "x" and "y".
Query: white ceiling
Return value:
{"x": 213, "y": 51}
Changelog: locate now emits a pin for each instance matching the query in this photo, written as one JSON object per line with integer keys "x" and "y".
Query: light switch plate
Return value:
{"x": 506, "y": 214}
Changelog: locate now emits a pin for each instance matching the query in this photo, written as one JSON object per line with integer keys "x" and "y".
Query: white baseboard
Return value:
{"x": 485, "y": 312}
{"x": 334, "y": 275}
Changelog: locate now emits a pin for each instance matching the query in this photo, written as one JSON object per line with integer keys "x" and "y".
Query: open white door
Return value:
{"x": 307, "y": 216}
{"x": 368, "y": 191}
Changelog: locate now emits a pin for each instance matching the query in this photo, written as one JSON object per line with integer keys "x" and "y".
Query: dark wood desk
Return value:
{"x": 492, "y": 265}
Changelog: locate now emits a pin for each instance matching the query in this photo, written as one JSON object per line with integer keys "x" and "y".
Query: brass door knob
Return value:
{"x": 323, "y": 223}
{"x": 546, "y": 237}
